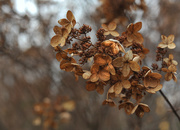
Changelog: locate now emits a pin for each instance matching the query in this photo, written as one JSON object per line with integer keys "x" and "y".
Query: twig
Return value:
{"x": 174, "y": 111}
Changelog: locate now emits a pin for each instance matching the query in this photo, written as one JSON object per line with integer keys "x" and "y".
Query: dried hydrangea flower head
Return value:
{"x": 167, "y": 42}
{"x": 115, "y": 63}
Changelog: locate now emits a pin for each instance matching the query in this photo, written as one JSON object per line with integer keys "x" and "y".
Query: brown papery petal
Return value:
{"x": 57, "y": 30}
{"x": 94, "y": 68}
{"x": 105, "y": 27}
{"x": 164, "y": 38}
{"x": 171, "y": 56}
{"x": 63, "y": 22}
{"x": 138, "y": 38}
{"x": 128, "y": 55}
{"x": 104, "y": 75}
{"x": 145, "y": 107}
{"x": 164, "y": 69}
{"x": 86, "y": 75}
{"x": 118, "y": 62}
{"x": 99, "y": 59}
{"x": 134, "y": 109}
{"x": 168, "y": 76}
{"x": 111, "y": 69}
{"x": 70, "y": 15}
{"x": 174, "y": 77}
{"x": 126, "y": 70}
{"x": 126, "y": 84}
{"x": 156, "y": 75}
{"x": 134, "y": 66}
{"x": 118, "y": 88}
{"x": 106, "y": 33}
{"x": 56, "y": 40}
{"x": 172, "y": 68}
{"x": 162, "y": 45}
{"x": 94, "y": 77}
{"x": 114, "y": 33}
{"x": 90, "y": 86}
{"x": 100, "y": 89}
{"x": 58, "y": 56}
{"x": 171, "y": 45}
{"x": 67, "y": 67}
{"x": 137, "y": 26}
{"x": 112, "y": 26}
{"x": 170, "y": 38}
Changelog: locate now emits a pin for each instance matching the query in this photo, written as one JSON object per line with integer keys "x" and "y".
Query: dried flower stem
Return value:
{"x": 174, "y": 111}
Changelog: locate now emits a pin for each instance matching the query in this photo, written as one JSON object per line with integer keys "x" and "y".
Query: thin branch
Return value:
{"x": 174, "y": 111}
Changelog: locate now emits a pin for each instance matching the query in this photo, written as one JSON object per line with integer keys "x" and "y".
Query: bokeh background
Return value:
{"x": 29, "y": 72}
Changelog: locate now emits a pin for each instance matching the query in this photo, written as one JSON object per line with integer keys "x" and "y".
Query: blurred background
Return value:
{"x": 30, "y": 77}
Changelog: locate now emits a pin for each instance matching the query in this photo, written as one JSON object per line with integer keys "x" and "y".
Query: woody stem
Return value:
{"x": 174, "y": 111}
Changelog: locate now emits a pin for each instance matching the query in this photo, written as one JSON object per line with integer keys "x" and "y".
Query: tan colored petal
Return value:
{"x": 63, "y": 22}
{"x": 90, "y": 86}
{"x": 118, "y": 88}
{"x": 67, "y": 67}
{"x": 111, "y": 69}
{"x": 138, "y": 38}
{"x": 129, "y": 38}
{"x": 106, "y": 33}
{"x": 104, "y": 75}
{"x": 128, "y": 55}
{"x": 99, "y": 60}
{"x": 174, "y": 62}
{"x": 114, "y": 33}
{"x": 172, "y": 68}
{"x": 118, "y": 62}
{"x": 164, "y": 69}
{"x": 111, "y": 89}
{"x": 59, "y": 57}
{"x": 126, "y": 84}
{"x": 87, "y": 74}
{"x": 162, "y": 45}
{"x": 121, "y": 48}
{"x": 134, "y": 109}
{"x": 134, "y": 66}
{"x": 105, "y": 27}
{"x": 171, "y": 57}
{"x": 73, "y": 22}
{"x": 156, "y": 75}
{"x": 94, "y": 77}
{"x": 94, "y": 68}
{"x": 112, "y": 26}
{"x": 166, "y": 60}
{"x": 100, "y": 89}
{"x": 170, "y": 38}
{"x": 62, "y": 42}
{"x": 137, "y": 26}
{"x": 70, "y": 15}
{"x": 174, "y": 77}
{"x": 56, "y": 40}
{"x": 145, "y": 107}
{"x": 57, "y": 30}
{"x": 126, "y": 70}
{"x": 171, "y": 45}
{"x": 164, "y": 39}
{"x": 168, "y": 76}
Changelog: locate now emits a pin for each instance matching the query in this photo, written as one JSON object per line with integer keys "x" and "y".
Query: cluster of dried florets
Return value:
{"x": 168, "y": 64}
{"x": 115, "y": 63}
{"x": 51, "y": 113}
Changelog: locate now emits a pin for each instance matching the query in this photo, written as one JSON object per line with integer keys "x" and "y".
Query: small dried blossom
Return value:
{"x": 110, "y": 29}
{"x": 140, "y": 109}
{"x": 170, "y": 60}
{"x": 127, "y": 63}
{"x": 170, "y": 73}
{"x": 167, "y": 42}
